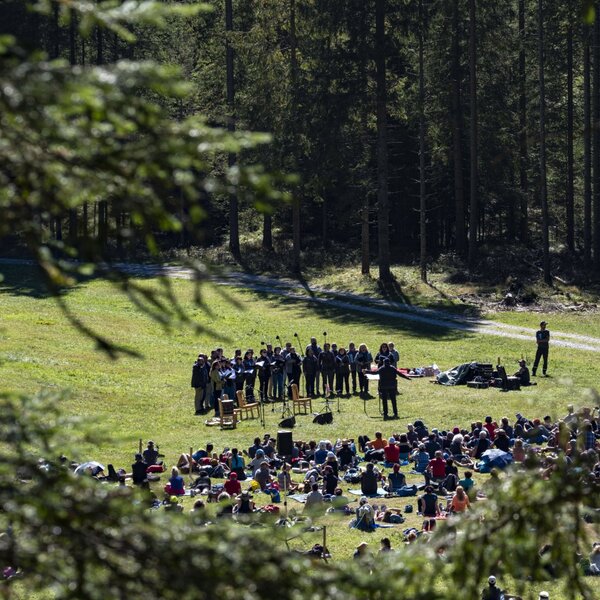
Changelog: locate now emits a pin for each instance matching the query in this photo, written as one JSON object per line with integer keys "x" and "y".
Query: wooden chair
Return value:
{"x": 245, "y": 408}
{"x": 301, "y": 406}
{"x": 227, "y": 413}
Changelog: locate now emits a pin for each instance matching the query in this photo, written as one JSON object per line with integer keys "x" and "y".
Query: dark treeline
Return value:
{"x": 416, "y": 128}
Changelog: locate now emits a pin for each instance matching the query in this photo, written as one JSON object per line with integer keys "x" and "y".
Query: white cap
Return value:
{"x": 492, "y": 580}
{"x": 544, "y": 595}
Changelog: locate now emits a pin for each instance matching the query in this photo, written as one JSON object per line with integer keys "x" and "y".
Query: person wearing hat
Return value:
{"x": 345, "y": 455}
{"x": 151, "y": 454}
{"x": 542, "y": 338}
{"x": 138, "y": 470}
{"x": 491, "y": 592}
{"x": 245, "y": 505}
{"x": 361, "y": 551}
{"x": 523, "y": 373}
{"x": 388, "y": 386}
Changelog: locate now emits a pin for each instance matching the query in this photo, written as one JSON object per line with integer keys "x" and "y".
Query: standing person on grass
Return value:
{"x": 388, "y": 376}
{"x": 199, "y": 382}
{"x": 542, "y": 338}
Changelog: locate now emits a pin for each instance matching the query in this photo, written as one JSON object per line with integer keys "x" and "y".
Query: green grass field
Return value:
{"x": 151, "y": 398}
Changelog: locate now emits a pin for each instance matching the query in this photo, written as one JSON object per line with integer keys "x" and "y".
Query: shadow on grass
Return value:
{"x": 346, "y": 316}
{"x": 26, "y": 280}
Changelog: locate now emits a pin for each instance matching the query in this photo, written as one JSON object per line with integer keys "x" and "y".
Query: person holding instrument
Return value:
{"x": 388, "y": 386}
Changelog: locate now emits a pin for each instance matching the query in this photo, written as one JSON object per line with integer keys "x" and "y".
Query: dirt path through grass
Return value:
{"x": 294, "y": 290}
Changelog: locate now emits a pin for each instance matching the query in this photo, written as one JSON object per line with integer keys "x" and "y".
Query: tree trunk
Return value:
{"x": 103, "y": 204}
{"x": 382, "y": 151}
{"x": 294, "y": 79}
{"x": 234, "y": 226}
{"x": 587, "y": 152}
{"x": 422, "y": 175}
{"x": 570, "y": 208}
{"x": 459, "y": 189}
{"x": 523, "y": 150}
{"x": 365, "y": 233}
{"x": 267, "y": 240}
{"x": 543, "y": 182}
{"x": 474, "y": 200}
{"x": 596, "y": 140}
{"x": 73, "y": 225}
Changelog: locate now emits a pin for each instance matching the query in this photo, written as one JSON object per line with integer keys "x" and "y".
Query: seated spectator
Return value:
{"x": 151, "y": 455}
{"x": 345, "y": 455}
{"x": 256, "y": 446}
{"x": 467, "y": 482}
{"x": 284, "y": 479}
{"x": 259, "y": 458}
{"x": 173, "y": 505}
{"x": 262, "y": 475}
{"x": 392, "y": 516}
{"x": 518, "y": 451}
{"x": 427, "y": 504}
{"x": 501, "y": 441}
{"x": 432, "y": 445}
{"x": 200, "y": 454}
{"x": 232, "y": 485}
{"x": 396, "y": 480}
{"x": 594, "y": 568}
{"x": 404, "y": 447}
{"x": 225, "y": 505}
{"x": 175, "y": 487}
{"x": 321, "y": 453}
{"x": 386, "y": 546}
{"x": 421, "y": 458}
{"x": 490, "y": 426}
{"x": 375, "y": 448}
{"x": 202, "y": 482}
{"x": 391, "y": 452}
{"x": 436, "y": 468}
{"x": 244, "y": 505}
{"x": 138, "y": 470}
{"x": 368, "y": 480}
{"x": 339, "y": 502}
{"x": 332, "y": 462}
{"x": 330, "y": 481}
{"x": 460, "y": 501}
{"x": 365, "y": 516}
{"x": 481, "y": 446}
{"x": 236, "y": 464}
{"x": 314, "y": 500}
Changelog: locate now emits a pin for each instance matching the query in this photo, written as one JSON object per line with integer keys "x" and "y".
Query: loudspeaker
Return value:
{"x": 285, "y": 444}
{"x": 288, "y": 423}
{"x": 325, "y": 418}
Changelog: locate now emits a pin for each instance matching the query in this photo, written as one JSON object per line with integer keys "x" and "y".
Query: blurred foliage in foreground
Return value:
{"x": 84, "y": 539}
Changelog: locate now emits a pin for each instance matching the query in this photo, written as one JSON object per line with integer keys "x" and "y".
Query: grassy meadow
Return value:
{"x": 151, "y": 398}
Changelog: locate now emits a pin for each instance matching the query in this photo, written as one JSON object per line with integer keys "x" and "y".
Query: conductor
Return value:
{"x": 388, "y": 387}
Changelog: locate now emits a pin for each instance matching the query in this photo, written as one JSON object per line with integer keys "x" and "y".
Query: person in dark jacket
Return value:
{"x": 264, "y": 374}
{"x": 363, "y": 364}
{"x": 316, "y": 352}
{"x": 352, "y": 352}
{"x": 342, "y": 372}
{"x": 292, "y": 369}
{"x": 369, "y": 481}
{"x": 388, "y": 376}
{"x": 523, "y": 374}
{"x": 327, "y": 366}
{"x": 199, "y": 382}
{"x": 249, "y": 368}
{"x": 542, "y": 338}
{"x": 310, "y": 368}
{"x": 384, "y": 352}
{"x": 138, "y": 470}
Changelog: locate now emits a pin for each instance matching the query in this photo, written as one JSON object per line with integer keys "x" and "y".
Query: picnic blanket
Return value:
{"x": 380, "y": 493}
{"x": 298, "y": 497}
